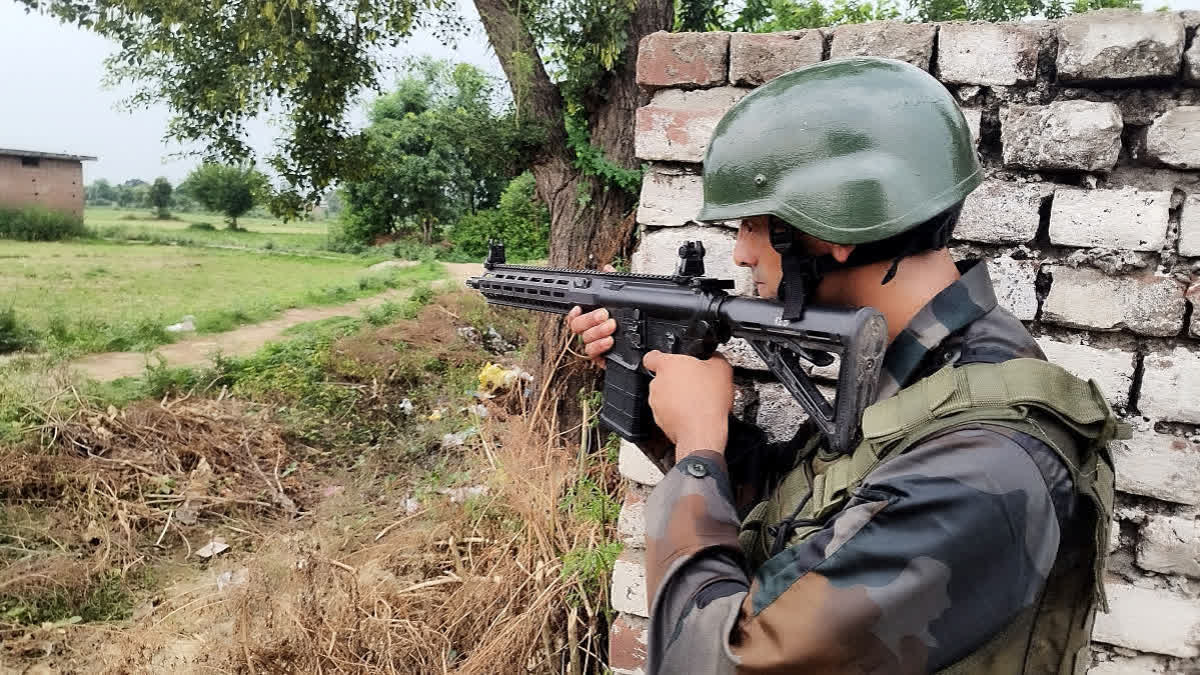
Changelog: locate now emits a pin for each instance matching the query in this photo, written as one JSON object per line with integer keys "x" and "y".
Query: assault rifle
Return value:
{"x": 688, "y": 313}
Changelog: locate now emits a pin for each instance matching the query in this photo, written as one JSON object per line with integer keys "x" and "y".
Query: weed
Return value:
{"x": 36, "y": 223}
{"x": 587, "y": 500}
{"x": 591, "y": 565}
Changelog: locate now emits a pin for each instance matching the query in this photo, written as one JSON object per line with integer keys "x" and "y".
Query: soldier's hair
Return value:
{"x": 931, "y": 235}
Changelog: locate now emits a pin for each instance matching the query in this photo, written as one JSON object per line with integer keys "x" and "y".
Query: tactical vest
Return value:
{"x": 1028, "y": 395}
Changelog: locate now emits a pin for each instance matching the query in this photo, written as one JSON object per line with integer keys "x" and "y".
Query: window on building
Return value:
{"x": 31, "y": 162}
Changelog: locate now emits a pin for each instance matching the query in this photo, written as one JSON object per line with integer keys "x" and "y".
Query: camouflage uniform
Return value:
{"x": 935, "y": 553}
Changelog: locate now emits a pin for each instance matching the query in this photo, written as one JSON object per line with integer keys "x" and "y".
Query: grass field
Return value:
{"x": 263, "y": 233}
{"x": 80, "y": 297}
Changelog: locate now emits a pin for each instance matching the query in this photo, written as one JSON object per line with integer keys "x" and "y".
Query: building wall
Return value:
{"x": 1089, "y": 131}
{"x": 54, "y": 183}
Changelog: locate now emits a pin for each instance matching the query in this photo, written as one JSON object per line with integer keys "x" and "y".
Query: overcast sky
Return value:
{"x": 52, "y": 97}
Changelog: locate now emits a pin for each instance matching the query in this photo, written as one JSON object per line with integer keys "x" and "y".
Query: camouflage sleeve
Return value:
{"x": 937, "y": 551}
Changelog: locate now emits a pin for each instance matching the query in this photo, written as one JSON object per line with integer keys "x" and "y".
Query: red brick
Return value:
{"x": 757, "y": 58}
{"x": 683, "y": 59}
{"x": 627, "y": 643}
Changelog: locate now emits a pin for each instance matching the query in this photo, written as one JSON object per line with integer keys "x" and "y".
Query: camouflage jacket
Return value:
{"x": 937, "y": 551}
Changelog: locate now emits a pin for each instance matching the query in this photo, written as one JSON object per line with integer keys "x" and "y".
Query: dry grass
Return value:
{"x": 325, "y": 581}
{"x": 123, "y": 481}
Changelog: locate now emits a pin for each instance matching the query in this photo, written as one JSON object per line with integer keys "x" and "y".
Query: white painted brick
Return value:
{"x": 1086, "y": 298}
{"x": 740, "y": 354}
{"x": 1189, "y": 226}
{"x": 1149, "y": 621}
{"x": 1002, "y": 213}
{"x": 1170, "y": 545}
{"x": 988, "y": 54}
{"x": 1171, "y": 386}
{"x": 1013, "y": 281}
{"x": 1112, "y": 369}
{"x": 629, "y": 584}
{"x": 1062, "y": 136}
{"x": 670, "y": 199}
{"x": 634, "y": 465}
{"x": 909, "y": 42}
{"x": 1174, "y": 138}
{"x": 658, "y": 253}
{"x": 1119, "y": 45}
{"x": 1142, "y": 664}
{"x": 1159, "y": 466}
{"x": 631, "y": 523}
{"x": 1191, "y": 63}
{"x": 778, "y": 413}
{"x": 677, "y": 124}
{"x": 1127, "y": 218}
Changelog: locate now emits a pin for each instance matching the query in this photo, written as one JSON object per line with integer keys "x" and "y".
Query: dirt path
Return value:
{"x": 199, "y": 350}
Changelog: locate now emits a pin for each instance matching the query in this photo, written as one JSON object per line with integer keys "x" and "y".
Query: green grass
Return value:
{"x": 187, "y": 229}
{"x": 108, "y": 599}
{"x": 80, "y": 297}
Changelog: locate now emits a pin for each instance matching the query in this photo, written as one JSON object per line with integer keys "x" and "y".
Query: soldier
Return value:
{"x": 966, "y": 532}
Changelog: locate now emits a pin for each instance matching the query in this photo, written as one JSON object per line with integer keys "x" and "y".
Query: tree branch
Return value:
{"x": 517, "y": 51}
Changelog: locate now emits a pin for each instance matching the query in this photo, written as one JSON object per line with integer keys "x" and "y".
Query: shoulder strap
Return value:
{"x": 979, "y": 389}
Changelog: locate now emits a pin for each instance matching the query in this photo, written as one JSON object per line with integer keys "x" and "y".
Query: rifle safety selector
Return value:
{"x": 495, "y": 254}
{"x": 691, "y": 259}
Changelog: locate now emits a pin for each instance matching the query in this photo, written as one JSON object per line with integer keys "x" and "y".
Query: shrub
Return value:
{"x": 522, "y": 222}
{"x": 14, "y": 335}
{"x": 207, "y": 227}
{"x": 36, "y": 223}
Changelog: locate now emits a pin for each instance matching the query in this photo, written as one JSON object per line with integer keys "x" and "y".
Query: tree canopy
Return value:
{"x": 160, "y": 196}
{"x": 228, "y": 189}
{"x": 442, "y": 144}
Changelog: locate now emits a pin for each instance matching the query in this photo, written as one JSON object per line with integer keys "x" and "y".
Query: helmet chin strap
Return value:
{"x": 801, "y": 272}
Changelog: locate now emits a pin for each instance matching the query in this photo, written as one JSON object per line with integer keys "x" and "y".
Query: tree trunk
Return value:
{"x": 590, "y": 225}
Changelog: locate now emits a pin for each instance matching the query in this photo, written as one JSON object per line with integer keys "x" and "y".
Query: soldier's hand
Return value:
{"x": 595, "y": 327}
{"x": 691, "y": 400}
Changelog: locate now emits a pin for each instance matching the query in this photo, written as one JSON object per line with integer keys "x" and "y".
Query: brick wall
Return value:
{"x": 1089, "y": 130}
{"x": 53, "y": 183}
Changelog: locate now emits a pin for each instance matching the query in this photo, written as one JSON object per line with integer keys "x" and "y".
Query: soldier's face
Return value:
{"x": 753, "y": 250}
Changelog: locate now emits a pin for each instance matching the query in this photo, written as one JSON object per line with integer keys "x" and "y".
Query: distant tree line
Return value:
{"x": 226, "y": 189}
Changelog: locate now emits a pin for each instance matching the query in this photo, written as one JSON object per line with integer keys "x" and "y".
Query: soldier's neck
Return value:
{"x": 918, "y": 279}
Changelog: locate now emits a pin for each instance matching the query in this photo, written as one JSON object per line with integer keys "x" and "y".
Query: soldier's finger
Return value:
{"x": 609, "y": 268}
{"x": 575, "y": 311}
{"x": 585, "y": 321}
{"x": 603, "y": 330}
{"x": 652, "y": 361}
{"x": 595, "y": 349}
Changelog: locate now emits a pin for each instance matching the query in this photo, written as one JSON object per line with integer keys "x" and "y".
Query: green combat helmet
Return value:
{"x": 850, "y": 151}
